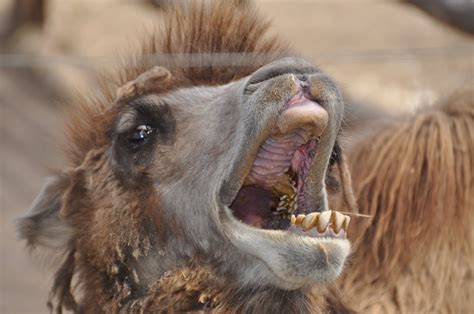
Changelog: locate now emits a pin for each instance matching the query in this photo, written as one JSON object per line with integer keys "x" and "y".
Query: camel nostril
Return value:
{"x": 302, "y": 77}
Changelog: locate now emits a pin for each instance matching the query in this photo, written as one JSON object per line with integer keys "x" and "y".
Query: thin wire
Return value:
{"x": 357, "y": 215}
{"x": 239, "y": 59}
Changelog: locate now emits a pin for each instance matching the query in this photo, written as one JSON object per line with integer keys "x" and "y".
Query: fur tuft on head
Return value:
{"x": 419, "y": 169}
{"x": 200, "y": 44}
{"x": 414, "y": 178}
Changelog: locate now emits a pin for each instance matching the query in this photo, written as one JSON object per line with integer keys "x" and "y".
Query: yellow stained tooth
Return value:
{"x": 292, "y": 219}
{"x": 203, "y": 298}
{"x": 299, "y": 219}
{"x": 323, "y": 221}
{"x": 309, "y": 220}
{"x": 338, "y": 221}
{"x": 347, "y": 220}
{"x": 315, "y": 220}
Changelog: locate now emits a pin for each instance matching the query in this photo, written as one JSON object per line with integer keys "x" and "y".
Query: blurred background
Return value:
{"x": 398, "y": 55}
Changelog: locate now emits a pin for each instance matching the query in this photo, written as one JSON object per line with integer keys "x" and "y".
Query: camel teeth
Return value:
{"x": 299, "y": 219}
{"x": 347, "y": 220}
{"x": 337, "y": 220}
{"x": 310, "y": 220}
{"x": 323, "y": 221}
{"x": 203, "y": 298}
{"x": 279, "y": 211}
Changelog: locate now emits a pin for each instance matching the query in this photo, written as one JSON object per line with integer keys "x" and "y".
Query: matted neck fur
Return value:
{"x": 159, "y": 159}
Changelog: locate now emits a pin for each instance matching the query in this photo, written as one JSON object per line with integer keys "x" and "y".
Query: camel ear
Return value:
{"x": 144, "y": 83}
{"x": 43, "y": 225}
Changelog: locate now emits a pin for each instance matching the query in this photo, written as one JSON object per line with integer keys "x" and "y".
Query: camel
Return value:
{"x": 199, "y": 184}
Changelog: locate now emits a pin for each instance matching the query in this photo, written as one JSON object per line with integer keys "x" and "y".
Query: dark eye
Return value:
{"x": 140, "y": 134}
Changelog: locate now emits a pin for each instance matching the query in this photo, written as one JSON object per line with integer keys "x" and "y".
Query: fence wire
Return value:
{"x": 240, "y": 59}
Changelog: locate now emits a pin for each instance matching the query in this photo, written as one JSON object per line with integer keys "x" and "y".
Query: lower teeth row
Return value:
{"x": 322, "y": 221}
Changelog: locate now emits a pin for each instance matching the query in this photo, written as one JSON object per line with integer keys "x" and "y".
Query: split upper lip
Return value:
{"x": 301, "y": 112}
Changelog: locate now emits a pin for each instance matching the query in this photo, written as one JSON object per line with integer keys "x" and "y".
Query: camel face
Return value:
{"x": 223, "y": 160}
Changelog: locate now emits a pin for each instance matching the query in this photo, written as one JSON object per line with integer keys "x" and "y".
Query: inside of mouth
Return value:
{"x": 274, "y": 188}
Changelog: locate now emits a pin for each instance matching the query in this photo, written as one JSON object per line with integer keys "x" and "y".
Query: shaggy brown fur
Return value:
{"x": 415, "y": 178}
{"x": 192, "y": 289}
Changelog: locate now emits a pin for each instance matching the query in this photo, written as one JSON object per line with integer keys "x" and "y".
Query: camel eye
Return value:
{"x": 140, "y": 134}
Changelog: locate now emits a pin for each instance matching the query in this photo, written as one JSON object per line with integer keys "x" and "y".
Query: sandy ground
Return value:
{"x": 380, "y": 51}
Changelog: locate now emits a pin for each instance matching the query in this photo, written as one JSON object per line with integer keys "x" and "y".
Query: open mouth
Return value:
{"x": 273, "y": 194}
